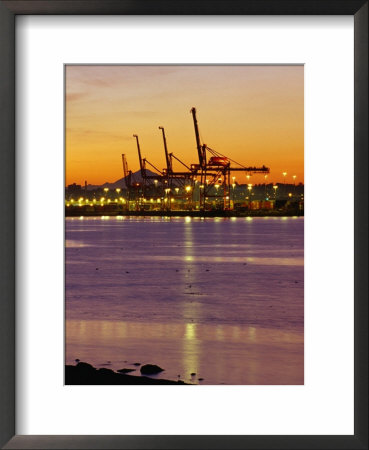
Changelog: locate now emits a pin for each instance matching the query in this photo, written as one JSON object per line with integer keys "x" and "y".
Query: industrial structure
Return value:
{"x": 198, "y": 184}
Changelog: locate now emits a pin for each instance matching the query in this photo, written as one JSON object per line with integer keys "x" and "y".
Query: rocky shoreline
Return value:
{"x": 85, "y": 374}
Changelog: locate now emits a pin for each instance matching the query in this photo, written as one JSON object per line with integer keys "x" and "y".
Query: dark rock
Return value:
{"x": 83, "y": 367}
{"x": 126, "y": 370}
{"x": 193, "y": 374}
{"x": 85, "y": 374}
{"x": 136, "y": 364}
{"x": 76, "y": 360}
{"x": 127, "y": 272}
{"x": 105, "y": 371}
{"x": 200, "y": 379}
{"x": 150, "y": 369}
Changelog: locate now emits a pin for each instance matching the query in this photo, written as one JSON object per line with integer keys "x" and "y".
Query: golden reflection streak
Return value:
{"x": 190, "y": 350}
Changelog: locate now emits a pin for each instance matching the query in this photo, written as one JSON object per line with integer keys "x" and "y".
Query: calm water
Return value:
{"x": 222, "y": 298}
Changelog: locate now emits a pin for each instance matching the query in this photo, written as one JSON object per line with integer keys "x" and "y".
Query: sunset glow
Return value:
{"x": 252, "y": 114}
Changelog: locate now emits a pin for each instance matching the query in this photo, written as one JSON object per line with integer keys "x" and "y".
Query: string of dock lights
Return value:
{"x": 185, "y": 197}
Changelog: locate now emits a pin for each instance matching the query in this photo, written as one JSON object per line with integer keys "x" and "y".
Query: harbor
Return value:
{"x": 215, "y": 185}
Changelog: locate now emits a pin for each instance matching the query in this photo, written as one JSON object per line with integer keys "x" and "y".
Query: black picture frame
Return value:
{"x": 8, "y": 11}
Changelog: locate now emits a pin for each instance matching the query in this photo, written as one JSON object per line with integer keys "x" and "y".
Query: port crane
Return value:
{"x": 215, "y": 170}
{"x": 133, "y": 187}
{"x": 211, "y": 172}
{"x": 147, "y": 180}
{"x": 171, "y": 174}
{"x": 176, "y": 179}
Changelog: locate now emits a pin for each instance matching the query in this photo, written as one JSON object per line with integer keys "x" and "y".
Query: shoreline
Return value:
{"x": 213, "y": 214}
{"x": 85, "y": 374}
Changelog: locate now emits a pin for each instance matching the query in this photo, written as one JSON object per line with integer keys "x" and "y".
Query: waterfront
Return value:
{"x": 219, "y": 297}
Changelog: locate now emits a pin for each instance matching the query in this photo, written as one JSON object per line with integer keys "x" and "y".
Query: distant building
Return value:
{"x": 74, "y": 187}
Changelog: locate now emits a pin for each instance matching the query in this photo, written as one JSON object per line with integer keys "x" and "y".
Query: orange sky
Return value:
{"x": 253, "y": 114}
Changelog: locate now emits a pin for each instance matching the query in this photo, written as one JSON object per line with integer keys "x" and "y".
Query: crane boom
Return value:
{"x": 142, "y": 167}
{"x": 200, "y": 148}
{"x": 168, "y": 160}
{"x": 127, "y": 173}
{"x": 125, "y": 166}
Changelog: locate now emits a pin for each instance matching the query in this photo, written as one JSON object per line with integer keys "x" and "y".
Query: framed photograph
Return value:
{"x": 184, "y": 249}
{"x": 202, "y": 220}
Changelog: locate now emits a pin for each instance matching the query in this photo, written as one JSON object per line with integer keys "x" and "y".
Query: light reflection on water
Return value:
{"x": 219, "y": 297}
{"x": 224, "y": 259}
{"x": 278, "y": 353}
{"x": 74, "y": 243}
